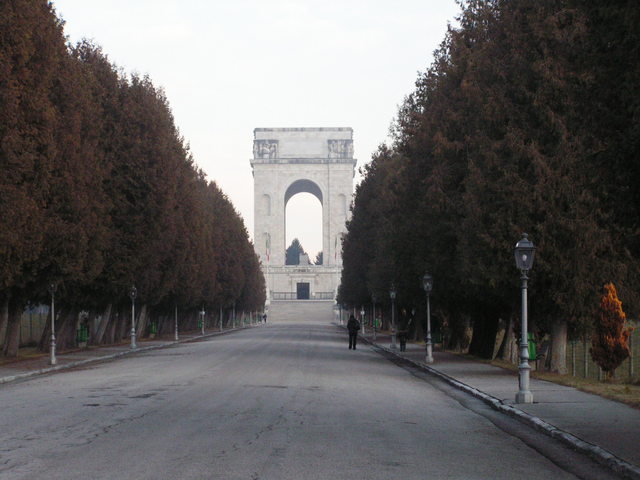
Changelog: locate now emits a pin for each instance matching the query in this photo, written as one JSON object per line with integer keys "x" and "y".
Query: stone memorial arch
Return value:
{"x": 288, "y": 161}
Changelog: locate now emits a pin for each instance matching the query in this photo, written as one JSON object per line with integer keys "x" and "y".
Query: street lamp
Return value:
{"x": 373, "y": 314}
{"x": 133, "y": 292}
{"x": 202, "y": 320}
{"x": 52, "y": 291}
{"x": 427, "y": 285}
{"x": 176, "y": 324}
{"x": 392, "y": 293}
{"x": 362, "y": 317}
{"x": 524, "y": 253}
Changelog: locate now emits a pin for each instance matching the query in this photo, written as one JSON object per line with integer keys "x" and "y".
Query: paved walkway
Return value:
{"x": 23, "y": 368}
{"x": 605, "y": 429}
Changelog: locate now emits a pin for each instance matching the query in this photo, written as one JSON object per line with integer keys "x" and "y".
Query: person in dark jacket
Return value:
{"x": 353, "y": 326}
{"x": 403, "y": 329}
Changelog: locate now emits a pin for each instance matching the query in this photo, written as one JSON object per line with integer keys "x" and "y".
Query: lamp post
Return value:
{"x": 176, "y": 323}
{"x": 427, "y": 285}
{"x": 373, "y": 314}
{"x": 202, "y": 313}
{"x": 524, "y": 253}
{"x": 52, "y": 292}
{"x": 392, "y": 293}
{"x": 133, "y": 292}
{"x": 362, "y": 318}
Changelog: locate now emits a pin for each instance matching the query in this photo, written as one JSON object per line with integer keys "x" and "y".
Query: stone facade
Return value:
{"x": 288, "y": 161}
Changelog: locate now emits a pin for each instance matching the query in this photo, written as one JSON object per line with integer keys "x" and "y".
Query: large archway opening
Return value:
{"x": 303, "y": 218}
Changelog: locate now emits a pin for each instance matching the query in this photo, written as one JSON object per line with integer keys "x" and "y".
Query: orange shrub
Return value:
{"x": 610, "y": 340}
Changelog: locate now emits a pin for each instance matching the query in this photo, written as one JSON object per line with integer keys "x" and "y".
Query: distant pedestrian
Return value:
{"x": 264, "y": 318}
{"x": 353, "y": 326}
{"x": 403, "y": 329}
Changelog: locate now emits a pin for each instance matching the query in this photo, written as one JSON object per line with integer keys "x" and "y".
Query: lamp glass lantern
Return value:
{"x": 393, "y": 292}
{"x": 524, "y": 253}
{"x": 133, "y": 293}
{"x": 427, "y": 283}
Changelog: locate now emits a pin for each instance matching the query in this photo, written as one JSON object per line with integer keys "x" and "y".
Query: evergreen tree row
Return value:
{"x": 527, "y": 121}
{"x": 98, "y": 191}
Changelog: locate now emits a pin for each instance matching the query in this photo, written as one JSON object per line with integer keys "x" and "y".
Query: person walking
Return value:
{"x": 353, "y": 326}
{"x": 403, "y": 329}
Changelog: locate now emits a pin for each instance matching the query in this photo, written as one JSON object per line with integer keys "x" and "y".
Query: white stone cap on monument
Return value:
{"x": 303, "y": 145}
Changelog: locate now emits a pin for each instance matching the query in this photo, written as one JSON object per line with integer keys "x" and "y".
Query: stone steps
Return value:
{"x": 300, "y": 311}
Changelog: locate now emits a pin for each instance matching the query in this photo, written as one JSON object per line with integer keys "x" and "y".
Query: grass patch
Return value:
{"x": 24, "y": 353}
{"x": 628, "y": 393}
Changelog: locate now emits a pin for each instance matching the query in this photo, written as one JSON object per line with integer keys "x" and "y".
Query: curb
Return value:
{"x": 78, "y": 363}
{"x": 599, "y": 454}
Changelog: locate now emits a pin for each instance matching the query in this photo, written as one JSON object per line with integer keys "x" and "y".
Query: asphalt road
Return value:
{"x": 278, "y": 402}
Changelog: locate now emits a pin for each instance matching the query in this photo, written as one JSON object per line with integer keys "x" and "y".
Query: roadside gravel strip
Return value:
{"x": 102, "y": 358}
{"x": 595, "y": 452}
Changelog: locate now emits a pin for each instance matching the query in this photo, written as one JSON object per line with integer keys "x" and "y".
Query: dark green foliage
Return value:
{"x": 525, "y": 122}
{"x": 293, "y": 252}
{"x": 99, "y": 192}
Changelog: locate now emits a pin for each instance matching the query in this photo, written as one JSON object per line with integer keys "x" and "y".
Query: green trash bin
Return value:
{"x": 532, "y": 346}
{"x": 82, "y": 334}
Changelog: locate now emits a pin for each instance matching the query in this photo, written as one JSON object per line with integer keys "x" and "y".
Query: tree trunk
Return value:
{"x": 103, "y": 323}
{"x": 124, "y": 327}
{"x": 12, "y": 337}
{"x": 509, "y": 349}
{"x": 4, "y": 319}
{"x": 462, "y": 334}
{"x": 66, "y": 330}
{"x": 141, "y": 321}
{"x": 558, "y": 357}
{"x": 112, "y": 329}
{"x": 501, "y": 334}
{"x": 484, "y": 337}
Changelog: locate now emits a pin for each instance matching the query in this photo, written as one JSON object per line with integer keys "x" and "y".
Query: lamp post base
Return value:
{"x": 524, "y": 397}
{"x": 53, "y": 360}
{"x": 429, "y": 356}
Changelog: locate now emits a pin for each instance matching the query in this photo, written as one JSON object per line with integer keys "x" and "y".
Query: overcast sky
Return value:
{"x": 228, "y": 67}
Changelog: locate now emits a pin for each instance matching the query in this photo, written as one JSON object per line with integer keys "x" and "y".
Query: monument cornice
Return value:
{"x": 305, "y": 129}
{"x": 299, "y": 161}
